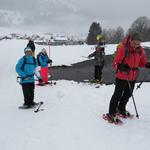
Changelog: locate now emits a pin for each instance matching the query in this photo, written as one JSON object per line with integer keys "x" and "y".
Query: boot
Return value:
{"x": 124, "y": 114}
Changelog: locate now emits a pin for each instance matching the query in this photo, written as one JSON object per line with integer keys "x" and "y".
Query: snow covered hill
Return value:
{"x": 72, "y": 116}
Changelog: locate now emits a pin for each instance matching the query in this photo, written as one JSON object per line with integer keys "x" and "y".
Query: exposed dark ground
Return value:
{"x": 85, "y": 71}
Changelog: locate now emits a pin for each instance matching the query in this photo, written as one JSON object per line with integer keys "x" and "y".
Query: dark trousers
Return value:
{"x": 98, "y": 72}
{"x": 121, "y": 96}
{"x": 28, "y": 92}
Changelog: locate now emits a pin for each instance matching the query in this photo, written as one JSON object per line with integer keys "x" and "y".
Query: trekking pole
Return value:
{"x": 137, "y": 115}
{"x": 86, "y": 57}
{"x": 49, "y": 47}
{"x": 50, "y": 64}
{"x": 51, "y": 74}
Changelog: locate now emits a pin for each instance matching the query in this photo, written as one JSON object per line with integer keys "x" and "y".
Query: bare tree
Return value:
{"x": 119, "y": 35}
{"x": 113, "y": 36}
{"x": 141, "y": 25}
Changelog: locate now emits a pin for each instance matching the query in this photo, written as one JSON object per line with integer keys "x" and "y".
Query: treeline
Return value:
{"x": 113, "y": 36}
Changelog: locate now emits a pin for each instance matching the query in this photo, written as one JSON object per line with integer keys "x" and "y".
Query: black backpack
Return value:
{"x": 38, "y": 60}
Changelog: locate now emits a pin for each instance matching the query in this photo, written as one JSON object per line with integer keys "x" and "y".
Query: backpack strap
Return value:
{"x": 25, "y": 60}
{"x": 38, "y": 55}
{"x": 126, "y": 53}
{"x": 34, "y": 61}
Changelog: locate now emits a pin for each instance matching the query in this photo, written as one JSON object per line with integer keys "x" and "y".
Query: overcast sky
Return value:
{"x": 71, "y": 16}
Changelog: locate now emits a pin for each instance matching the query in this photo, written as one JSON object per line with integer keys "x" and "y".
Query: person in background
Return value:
{"x": 43, "y": 61}
{"x": 99, "y": 55}
{"x": 129, "y": 57}
{"x": 32, "y": 46}
{"x": 26, "y": 68}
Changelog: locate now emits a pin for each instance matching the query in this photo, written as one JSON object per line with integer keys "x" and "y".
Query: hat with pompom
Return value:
{"x": 43, "y": 50}
{"x": 27, "y": 49}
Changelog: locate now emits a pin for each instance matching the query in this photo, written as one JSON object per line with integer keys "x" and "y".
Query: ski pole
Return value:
{"x": 86, "y": 57}
{"x": 89, "y": 58}
{"x": 137, "y": 115}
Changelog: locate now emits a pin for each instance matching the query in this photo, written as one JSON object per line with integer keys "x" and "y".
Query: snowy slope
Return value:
{"x": 72, "y": 116}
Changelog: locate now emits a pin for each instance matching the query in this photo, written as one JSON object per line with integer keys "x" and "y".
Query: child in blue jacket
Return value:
{"x": 43, "y": 62}
{"x": 26, "y": 69}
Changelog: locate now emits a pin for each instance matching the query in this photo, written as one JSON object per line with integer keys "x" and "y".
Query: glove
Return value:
{"x": 147, "y": 65}
{"x": 25, "y": 78}
{"x": 40, "y": 80}
{"x": 123, "y": 67}
{"x": 49, "y": 61}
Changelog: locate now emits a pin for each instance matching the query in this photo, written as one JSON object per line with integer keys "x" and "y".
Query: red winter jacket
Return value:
{"x": 135, "y": 58}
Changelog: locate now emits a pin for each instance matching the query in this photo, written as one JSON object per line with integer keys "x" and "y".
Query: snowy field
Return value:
{"x": 72, "y": 116}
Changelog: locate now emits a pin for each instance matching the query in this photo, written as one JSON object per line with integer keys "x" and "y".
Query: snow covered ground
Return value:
{"x": 72, "y": 116}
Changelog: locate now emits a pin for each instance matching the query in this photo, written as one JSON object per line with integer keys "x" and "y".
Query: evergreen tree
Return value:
{"x": 94, "y": 30}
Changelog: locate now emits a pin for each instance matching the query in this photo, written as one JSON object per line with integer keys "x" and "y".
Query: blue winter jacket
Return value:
{"x": 28, "y": 70}
{"x": 44, "y": 59}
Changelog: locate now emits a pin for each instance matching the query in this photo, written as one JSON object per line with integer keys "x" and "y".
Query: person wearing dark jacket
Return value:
{"x": 99, "y": 55}
{"x": 32, "y": 46}
{"x": 129, "y": 57}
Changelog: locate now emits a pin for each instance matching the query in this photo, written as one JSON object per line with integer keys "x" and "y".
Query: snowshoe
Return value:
{"x": 38, "y": 108}
{"x": 31, "y": 106}
{"x": 47, "y": 83}
{"x": 112, "y": 119}
{"x": 125, "y": 115}
{"x": 96, "y": 81}
{"x": 27, "y": 106}
{"x": 40, "y": 84}
{"x": 99, "y": 81}
{"x": 51, "y": 83}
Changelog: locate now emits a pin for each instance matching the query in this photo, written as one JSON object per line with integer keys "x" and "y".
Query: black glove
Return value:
{"x": 40, "y": 80}
{"x": 49, "y": 61}
{"x": 123, "y": 67}
{"x": 147, "y": 65}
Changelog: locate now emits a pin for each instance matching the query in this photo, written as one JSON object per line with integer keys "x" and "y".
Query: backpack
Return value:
{"x": 126, "y": 51}
{"x": 25, "y": 59}
{"x": 38, "y": 60}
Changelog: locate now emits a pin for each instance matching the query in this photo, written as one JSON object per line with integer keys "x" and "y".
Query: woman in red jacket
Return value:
{"x": 129, "y": 57}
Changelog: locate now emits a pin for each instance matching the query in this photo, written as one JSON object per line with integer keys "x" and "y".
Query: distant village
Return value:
{"x": 46, "y": 39}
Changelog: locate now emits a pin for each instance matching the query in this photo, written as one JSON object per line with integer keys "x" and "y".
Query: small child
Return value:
{"x": 44, "y": 61}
